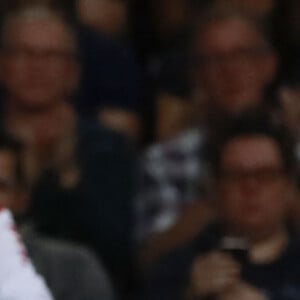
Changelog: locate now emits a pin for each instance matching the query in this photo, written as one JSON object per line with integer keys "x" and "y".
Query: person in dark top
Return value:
{"x": 110, "y": 86}
{"x": 71, "y": 271}
{"x": 82, "y": 172}
{"x": 250, "y": 253}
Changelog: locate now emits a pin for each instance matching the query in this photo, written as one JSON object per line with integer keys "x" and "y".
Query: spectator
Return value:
{"x": 18, "y": 278}
{"x": 85, "y": 170}
{"x": 110, "y": 85}
{"x": 111, "y": 73}
{"x": 162, "y": 31}
{"x": 70, "y": 270}
{"x": 253, "y": 163}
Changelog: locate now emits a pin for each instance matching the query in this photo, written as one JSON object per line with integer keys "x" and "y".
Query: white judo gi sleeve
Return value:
{"x": 18, "y": 278}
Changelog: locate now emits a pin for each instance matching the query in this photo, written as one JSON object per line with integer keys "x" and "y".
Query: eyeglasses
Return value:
{"x": 52, "y": 55}
{"x": 243, "y": 55}
{"x": 261, "y": 175}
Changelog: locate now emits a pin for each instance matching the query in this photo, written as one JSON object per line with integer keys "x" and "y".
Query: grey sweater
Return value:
{"x": 71, "y": 271}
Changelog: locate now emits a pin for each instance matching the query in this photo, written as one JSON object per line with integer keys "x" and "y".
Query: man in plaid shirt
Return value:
{"x": 169, "y": 179}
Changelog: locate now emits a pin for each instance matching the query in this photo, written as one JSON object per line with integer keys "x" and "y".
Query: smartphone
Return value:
{"x": 237, "y": 247}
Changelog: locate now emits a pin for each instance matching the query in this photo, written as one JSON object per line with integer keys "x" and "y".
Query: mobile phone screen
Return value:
{"x": 237, "y": 247}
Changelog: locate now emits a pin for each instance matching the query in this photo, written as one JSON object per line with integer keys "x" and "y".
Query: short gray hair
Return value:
{"x": 37, "y": 11}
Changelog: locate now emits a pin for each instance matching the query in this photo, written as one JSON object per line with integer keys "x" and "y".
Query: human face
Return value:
{"x": 253, "y": 186}
{"x": 235, "y": 64}
{"x": 38, "y": 66}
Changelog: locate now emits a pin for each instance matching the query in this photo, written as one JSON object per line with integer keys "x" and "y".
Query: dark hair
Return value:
{"x": 15, "y": 147}
{"x": 252, "y": 124}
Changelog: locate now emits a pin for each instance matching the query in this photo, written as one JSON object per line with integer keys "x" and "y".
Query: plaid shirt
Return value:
{"x": 170, "y": 176}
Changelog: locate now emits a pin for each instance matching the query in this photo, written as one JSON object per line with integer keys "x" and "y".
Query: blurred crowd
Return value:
{"x": 150, "y": 149}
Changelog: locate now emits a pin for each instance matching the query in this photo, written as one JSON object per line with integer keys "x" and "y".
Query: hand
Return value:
{"x": 242, "y": 291}
{"x": 213, "y": 274}
{"x": 190, "y": 223}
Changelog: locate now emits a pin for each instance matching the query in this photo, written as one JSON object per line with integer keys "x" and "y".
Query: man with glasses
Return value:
{"x": 250, "y": 253}
{"x": 82, "y": 173}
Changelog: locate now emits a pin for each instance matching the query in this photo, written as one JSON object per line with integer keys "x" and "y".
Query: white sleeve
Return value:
{"x": 18, "y": 278}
